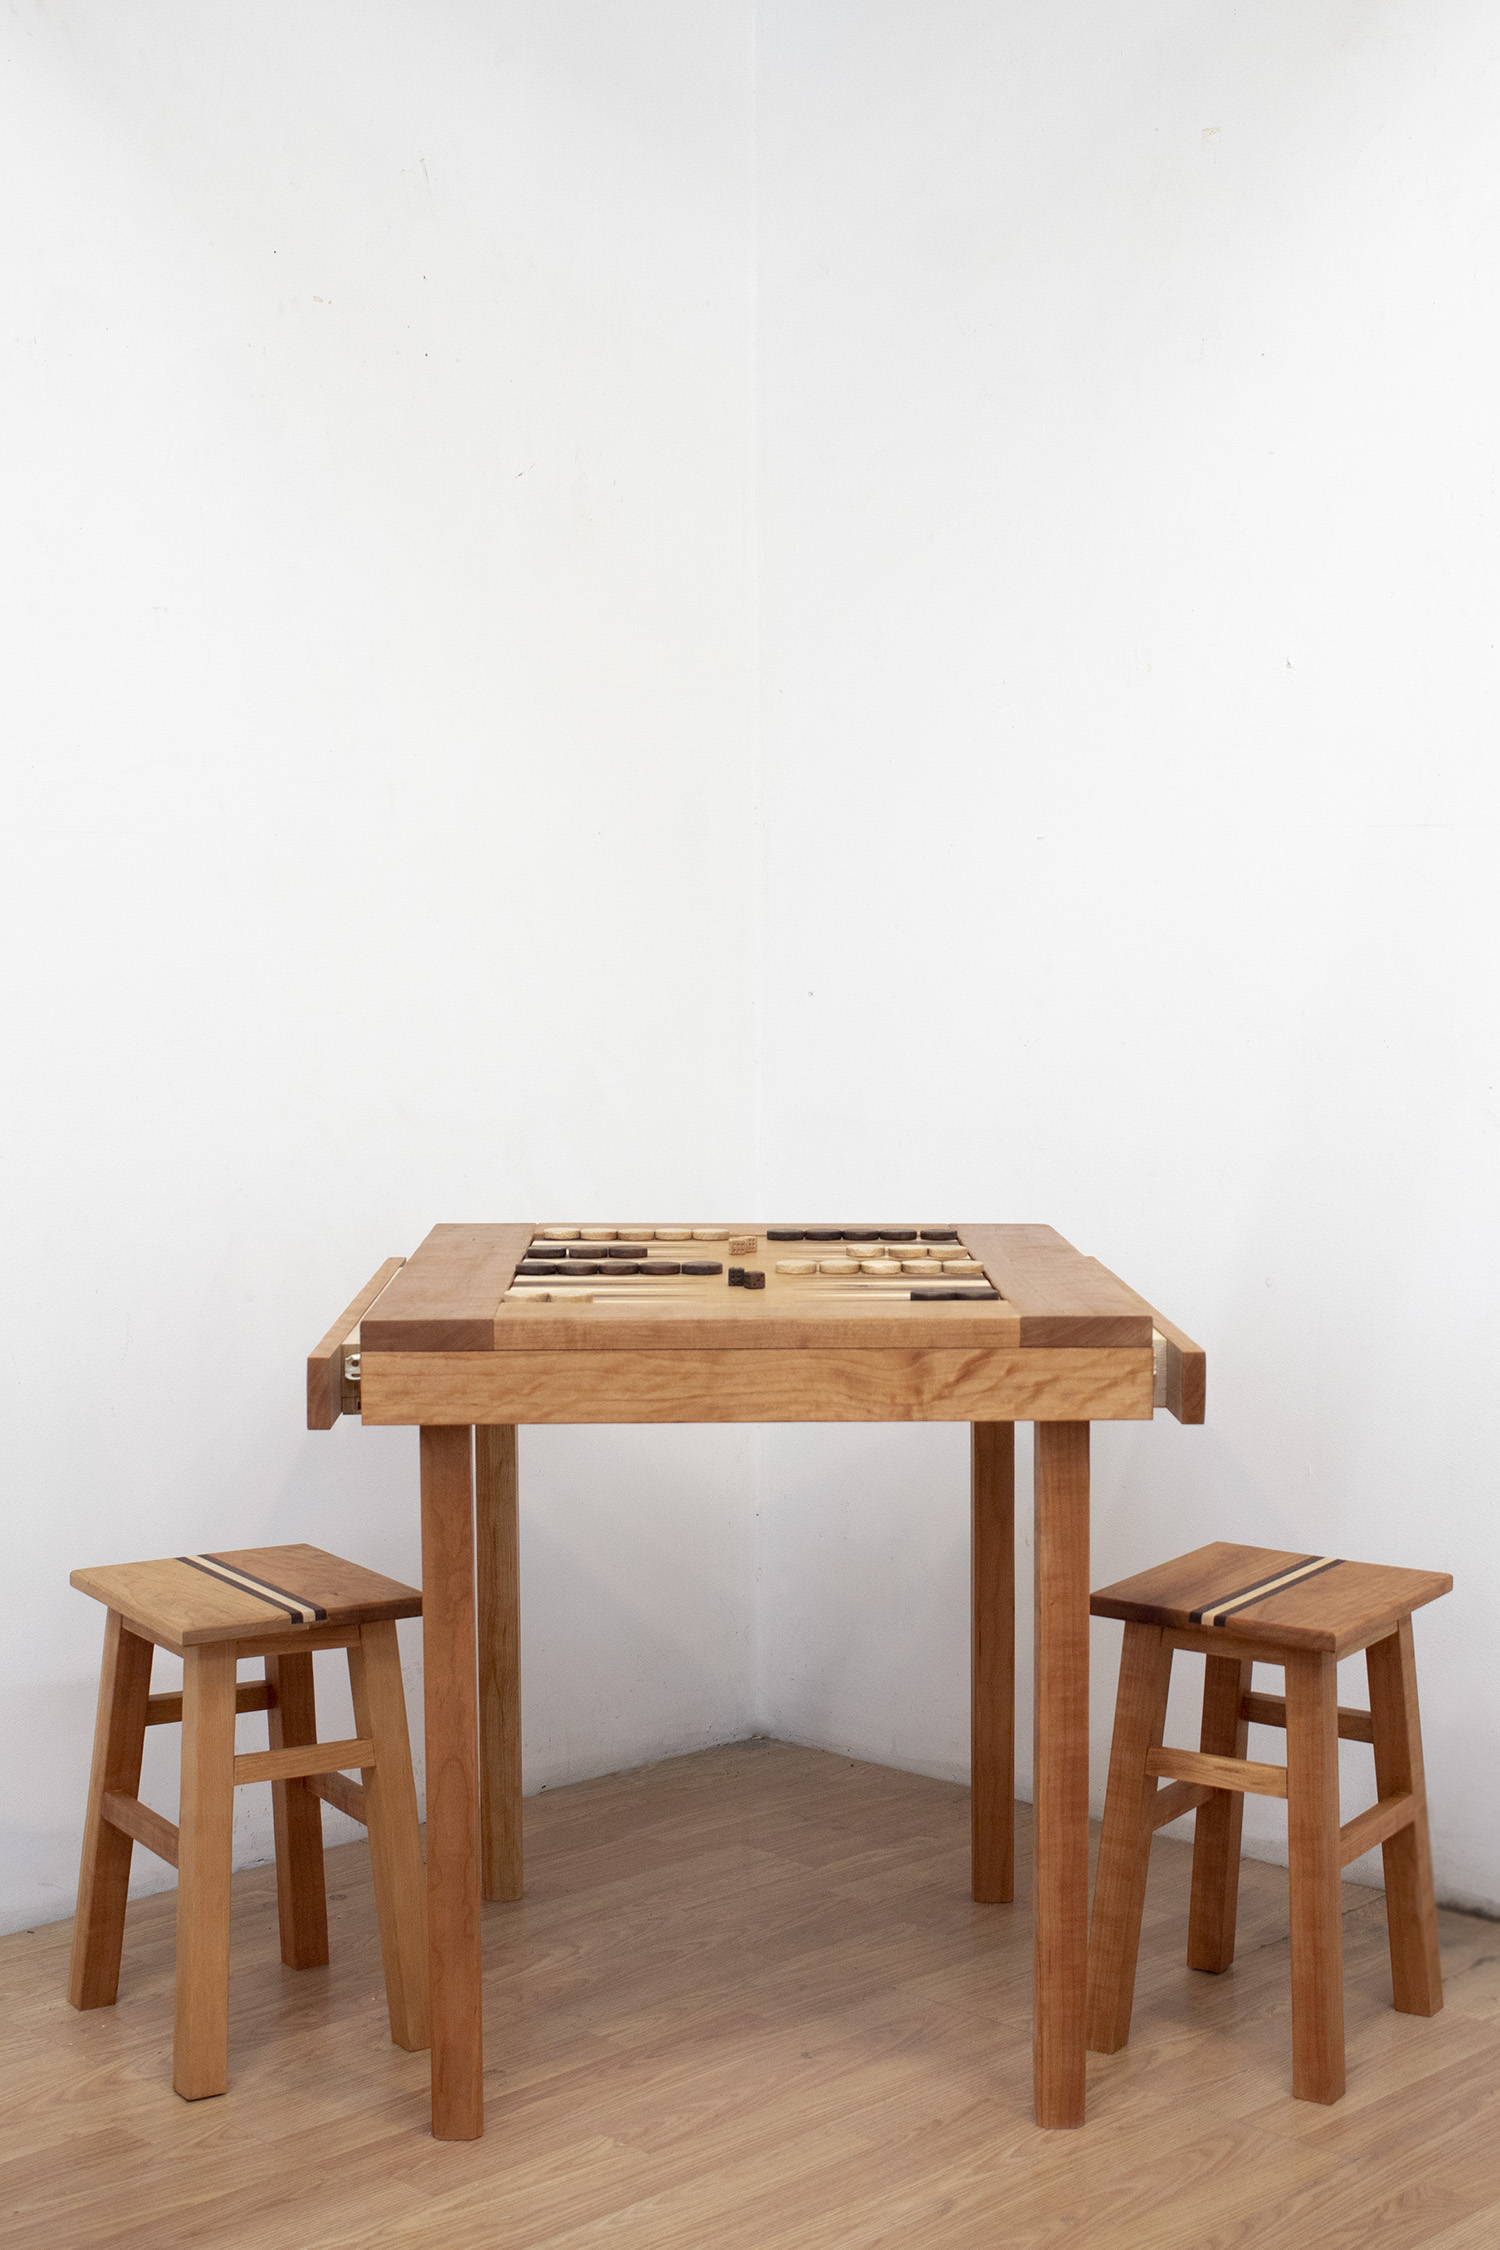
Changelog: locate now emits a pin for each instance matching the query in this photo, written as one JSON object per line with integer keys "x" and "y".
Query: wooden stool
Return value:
{"x": 279, "y": 1603}
{"x": 1255, "y": 1605}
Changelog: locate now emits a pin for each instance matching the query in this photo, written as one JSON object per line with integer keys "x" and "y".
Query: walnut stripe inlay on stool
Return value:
{"x": 1243, "y": 1606}
{"x": 279, "y": 1604}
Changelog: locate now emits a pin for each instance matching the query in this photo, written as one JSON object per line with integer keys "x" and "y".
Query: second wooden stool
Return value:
{"x": 280, "y": 1604}
{"x": 1243, "y": 1606}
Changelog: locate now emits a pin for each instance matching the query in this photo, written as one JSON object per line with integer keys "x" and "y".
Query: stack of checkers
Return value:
{"x": 615, "y": 1258}
{"x": 933, "y": 1255}
{"x": 574, "y": 1255}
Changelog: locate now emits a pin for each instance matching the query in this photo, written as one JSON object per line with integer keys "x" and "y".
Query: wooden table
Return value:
{"x": 444, "y": 1343}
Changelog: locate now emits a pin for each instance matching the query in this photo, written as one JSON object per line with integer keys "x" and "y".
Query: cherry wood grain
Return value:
{"x": 1224, "y": 1732}
{"x": 1060, "y": 1786}
{"x": 297, "y": 1818}
{"x": 200, "y": 2032}
{"x": 790, "y": 1313}
{"x": 447, "y": 1294}
{"x": 1338, "y": 1611}
{"x": 104, "y": 1876}
{"x": 1125, "y": 1839}
{"x": 497, "y": 1540}
{"x": 1270, "y": 1711}
{"x": 250, "y": 1695}
{"x": 1411, "y": 1907}
{"x": 1185, "y": 1368}
{"x": 1063, "y": 1298}
{"x": 1312, "y": 1758}
{"x": 1319, "y": 1847}
{"x": 325, "y": 1362}
{"x": 875, "y": 1385}
{"x": 452, "y": 1345}
{"x": 452, "y": 1739}
{"x": 169, "y": 1601}
{"x": 1218, "y": 1773}
{"x": 992, "y": 1660}
{"x": 390, "y": 1813}
{"x": 142, "y": 1825}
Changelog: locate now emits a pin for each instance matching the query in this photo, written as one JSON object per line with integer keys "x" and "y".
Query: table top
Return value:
{"x": 1015, "y": 1289}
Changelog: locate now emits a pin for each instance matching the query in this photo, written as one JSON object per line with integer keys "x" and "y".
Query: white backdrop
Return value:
{"x": 1129, "y": 577}
{"x": 692, "y": 608}
{"x": 382, "y": 782}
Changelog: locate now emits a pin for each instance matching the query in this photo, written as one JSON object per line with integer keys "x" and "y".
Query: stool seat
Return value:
{"x": 1240, "y": 1606}
{"x": 244, "y": 1594}
{"x": 281, "y": 1605}
{"x": 1273, "y": 1596}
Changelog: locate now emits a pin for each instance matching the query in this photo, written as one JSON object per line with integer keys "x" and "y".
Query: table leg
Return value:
{"x": 496, "y": 1496}
{"x": 992, "y": 1659}
{"x": 452, "y": 1733}
{"x": 1060, "y": 1785}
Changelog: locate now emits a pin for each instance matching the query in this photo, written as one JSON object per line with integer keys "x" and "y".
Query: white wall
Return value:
{"x": 1127, "y": 389}
{"x": 378, "y": 639}
{"x": 397, "y": 841}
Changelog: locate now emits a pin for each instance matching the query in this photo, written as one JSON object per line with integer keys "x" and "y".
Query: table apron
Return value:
{"x": 933, "y": 1384}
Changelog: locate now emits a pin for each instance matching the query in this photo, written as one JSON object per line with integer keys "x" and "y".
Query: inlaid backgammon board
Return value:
{"x": 574, "y": 1265}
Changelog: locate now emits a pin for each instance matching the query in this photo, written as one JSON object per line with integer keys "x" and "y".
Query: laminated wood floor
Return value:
{"x": 748, "y": 2004}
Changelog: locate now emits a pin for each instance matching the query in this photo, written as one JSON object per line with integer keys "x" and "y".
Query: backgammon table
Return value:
{"x": 489, "y": 1327}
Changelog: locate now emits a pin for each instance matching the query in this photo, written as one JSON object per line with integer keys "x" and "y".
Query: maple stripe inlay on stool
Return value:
{"x": 1220, "y": 1610}
{"x": 1243, "y": 1606}
{"x": 261, "y": 1589}
{"x": 279, "y": 1604}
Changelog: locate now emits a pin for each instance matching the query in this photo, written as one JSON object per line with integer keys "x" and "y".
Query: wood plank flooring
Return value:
{"x": 747, "y": 2002}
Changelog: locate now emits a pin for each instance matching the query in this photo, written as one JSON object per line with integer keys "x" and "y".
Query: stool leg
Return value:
{"x": 205, "y": 1856}
{"x": 301, "y": 1892}
{"x": 1312, "y": 1776}
{"x": 1217, "y": 1824}
{"x": 1411, "y": 1908}
{"x": 395, "y": 1848}
{"x": 104, "y": 1874}
{"x": 1125, "y": 1844}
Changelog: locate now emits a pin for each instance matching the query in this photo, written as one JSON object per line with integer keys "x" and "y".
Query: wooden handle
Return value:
{"x": 1185, "y": 1366}
{"x": 1181, "y": 1365}
{"x": 325, "y": 1365}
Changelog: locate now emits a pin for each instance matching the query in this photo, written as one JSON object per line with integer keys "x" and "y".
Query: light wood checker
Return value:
{"x": 182, "y": 1606}
{"x": 1336, "y": 1611}
{"x": 750, "y": 2004}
